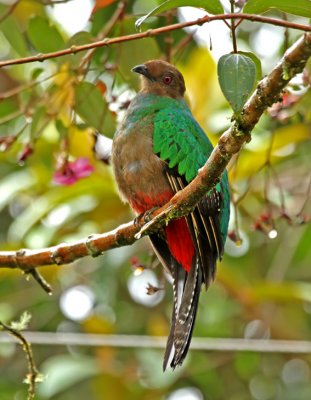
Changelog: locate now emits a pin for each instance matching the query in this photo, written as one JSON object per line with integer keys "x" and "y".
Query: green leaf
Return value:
{"x": 92, "y": 108}
{"x": 13, "y": 184}
{"x": 61, "y": 128}
{"x": 296, "y": 7}
{"x": 44, "y": 36}
{"x": 236, "y": 75}
{"x": 65, "y": 371}
{"x": 12, "y": 33}
{"x": 36, "y": 73}
{"x": 256, "y": 61}
{"x": 134, "y": 53}
{"x": 7, "y": 107}
{"x": 211, "y": 6}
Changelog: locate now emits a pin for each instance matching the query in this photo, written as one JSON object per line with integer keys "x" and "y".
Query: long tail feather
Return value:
{"x": 186, "y": 314}
{"x": 186, "y": 287}
{"x": 178, "y": 283}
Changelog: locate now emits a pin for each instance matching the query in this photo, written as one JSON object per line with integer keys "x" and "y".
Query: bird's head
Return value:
{"x": 161, "y": 78}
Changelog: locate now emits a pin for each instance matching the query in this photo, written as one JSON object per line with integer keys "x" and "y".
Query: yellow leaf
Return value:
{"x": 61, "y": 98}
{"x": 290, "y": 134}
{"x": 202, "y": 86}
{"x": 62, "y": 75}
{"x": 81, "y": 142}
{"x": 25, "y": 10}
{"x": 255, "y": 154}
{"x": 97, "y": 324}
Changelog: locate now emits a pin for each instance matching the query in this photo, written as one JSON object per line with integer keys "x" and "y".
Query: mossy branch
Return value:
{"x": 268, "y": 91}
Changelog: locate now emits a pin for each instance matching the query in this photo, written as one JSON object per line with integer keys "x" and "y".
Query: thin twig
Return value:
{"x": 9, "y": 11}
{"x": 108, "y": 27}
{"x": 33, "y": 373}
{"x": 179, "y": 47}
{"x": 286, "y": 33}
{"x": 39, "y": 278}
{"x": 154, "y": 32}
{"x": 21, "y": 88}
{"x": 280, "y": 188}
{"x": 306, "y": 199}
{"x": 13, "y": 115}
{"x": 232, "y": 28}
{"x": 52, "y": 2}
{"x": 141, "y": 341}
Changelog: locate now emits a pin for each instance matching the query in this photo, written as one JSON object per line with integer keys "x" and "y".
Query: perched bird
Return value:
{"x": 157, "y": 150}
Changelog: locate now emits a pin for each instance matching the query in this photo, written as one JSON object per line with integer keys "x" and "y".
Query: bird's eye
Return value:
{"x": 167, "y": 79}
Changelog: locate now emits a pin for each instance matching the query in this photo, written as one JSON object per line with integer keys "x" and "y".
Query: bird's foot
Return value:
{"x": 143, "y": 218}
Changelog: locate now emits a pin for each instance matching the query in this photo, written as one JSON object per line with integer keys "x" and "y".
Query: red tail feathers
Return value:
{"x": 180, "y": 242}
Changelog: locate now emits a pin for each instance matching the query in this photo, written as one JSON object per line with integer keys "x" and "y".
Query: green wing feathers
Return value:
{"x": 179, "y": 140}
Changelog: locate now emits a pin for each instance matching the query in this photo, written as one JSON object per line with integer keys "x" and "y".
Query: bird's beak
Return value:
{"x": 143, "y": 70}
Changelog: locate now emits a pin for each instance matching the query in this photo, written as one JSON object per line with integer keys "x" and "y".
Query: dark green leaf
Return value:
{"x": 7, "y": 107}
{"x": 211, "y": 6}
{"x": 61, "y": 128}
{"x": 92, "y": 108}
{"x": 296, "y": 7}
{"x": 237, "y": 75}
{"x": 100, "y": 15}
{"x": 44, "y": 36}
{"x": 36, "y": 73}
{"x": 134, "y": 53}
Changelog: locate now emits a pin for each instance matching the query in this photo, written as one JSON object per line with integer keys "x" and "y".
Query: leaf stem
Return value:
{"x": 233, "y": 27}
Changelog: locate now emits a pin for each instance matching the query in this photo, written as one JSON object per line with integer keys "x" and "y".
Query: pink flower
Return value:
{"x": 71, "y": 172}
{"x": 283, "y": 110}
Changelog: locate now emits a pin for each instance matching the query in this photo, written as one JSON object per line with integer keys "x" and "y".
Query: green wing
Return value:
{"x": 182, "y": 144}
{"x": 179, "y": 140}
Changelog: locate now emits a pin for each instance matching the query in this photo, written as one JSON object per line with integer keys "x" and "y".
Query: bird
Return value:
{"x": 157, "y": 150}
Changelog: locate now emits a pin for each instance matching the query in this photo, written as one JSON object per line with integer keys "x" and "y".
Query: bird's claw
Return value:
{"x": 143, "y": 218}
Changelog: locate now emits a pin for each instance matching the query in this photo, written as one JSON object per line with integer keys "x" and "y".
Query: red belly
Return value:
{"x": 177, "y": 233}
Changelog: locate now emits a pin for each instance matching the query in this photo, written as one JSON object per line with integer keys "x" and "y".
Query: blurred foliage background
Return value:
{"x": 56, "y": 185}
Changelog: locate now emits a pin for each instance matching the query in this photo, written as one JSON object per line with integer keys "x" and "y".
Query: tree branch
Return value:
{"x": 154, "y": 32}
{"x": 268, "y": 91}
